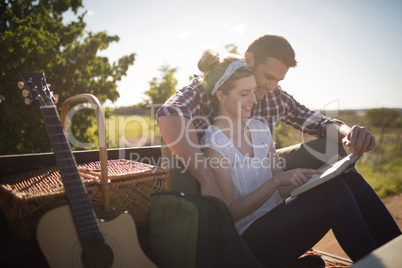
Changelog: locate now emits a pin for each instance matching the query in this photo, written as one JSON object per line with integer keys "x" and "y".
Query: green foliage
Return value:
{"x": 281, "y": 135}
{"x": 381, "y": 118}
{"x": 382, "y": 167}
{"x": 161, "y": 89}
{"x": 232, "y": 49}
{"x": 285, "y": 135}
{"x": 34, "y": 39}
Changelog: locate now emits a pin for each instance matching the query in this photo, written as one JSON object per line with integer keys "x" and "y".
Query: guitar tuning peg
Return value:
{"x": 28, "y": 101}
{"x": 20, "y": 85}
{"x": 25, "y": 93}
{"x": 56, "y": 98}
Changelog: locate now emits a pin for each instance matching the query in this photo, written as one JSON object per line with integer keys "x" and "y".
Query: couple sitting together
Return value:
{"x": 229, "y": 116}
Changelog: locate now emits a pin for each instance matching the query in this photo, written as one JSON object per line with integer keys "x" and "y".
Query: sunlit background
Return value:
{"x": 349, "y": 51}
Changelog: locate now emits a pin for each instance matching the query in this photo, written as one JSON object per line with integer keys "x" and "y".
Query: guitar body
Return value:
{"x": 61, "y": 246}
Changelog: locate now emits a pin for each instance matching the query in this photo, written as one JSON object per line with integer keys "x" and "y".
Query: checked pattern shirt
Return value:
{"x": 197, "y": 104}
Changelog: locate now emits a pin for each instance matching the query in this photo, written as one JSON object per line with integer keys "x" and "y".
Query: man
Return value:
{"x": 191, "y": 109}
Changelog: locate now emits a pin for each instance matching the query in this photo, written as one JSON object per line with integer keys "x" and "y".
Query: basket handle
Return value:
{"x": 100, "y": 118}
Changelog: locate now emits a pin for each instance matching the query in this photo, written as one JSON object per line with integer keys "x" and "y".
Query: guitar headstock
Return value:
{"x": 38, "y": 89}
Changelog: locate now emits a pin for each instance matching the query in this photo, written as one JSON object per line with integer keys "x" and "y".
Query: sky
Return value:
{"x": 349, "y": 52}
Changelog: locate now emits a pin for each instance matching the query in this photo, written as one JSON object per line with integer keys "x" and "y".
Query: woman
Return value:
{"x": 252, "y": 183}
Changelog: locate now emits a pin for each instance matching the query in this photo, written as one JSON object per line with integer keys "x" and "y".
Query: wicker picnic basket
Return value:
{"x": 26, "y": 197}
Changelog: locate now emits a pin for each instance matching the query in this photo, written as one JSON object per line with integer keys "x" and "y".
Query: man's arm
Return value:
{"x": 180, "y": 136}
{"x": 357, "y": 138}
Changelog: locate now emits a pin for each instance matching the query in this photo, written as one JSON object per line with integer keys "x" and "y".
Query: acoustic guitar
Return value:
{"x": 72, "y": 235}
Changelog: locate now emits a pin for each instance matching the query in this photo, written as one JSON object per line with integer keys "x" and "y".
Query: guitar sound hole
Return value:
{"x": 97, "y": 254}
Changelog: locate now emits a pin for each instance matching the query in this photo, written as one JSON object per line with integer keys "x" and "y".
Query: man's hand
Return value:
{"x": 359, "y": 140}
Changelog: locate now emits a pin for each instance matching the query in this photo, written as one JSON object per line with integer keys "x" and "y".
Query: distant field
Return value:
{"x": 132, "y": 131}
{"x": 382, "y": 167}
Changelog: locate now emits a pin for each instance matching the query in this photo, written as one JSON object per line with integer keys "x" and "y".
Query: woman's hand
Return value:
{"x": 294, "y": 177}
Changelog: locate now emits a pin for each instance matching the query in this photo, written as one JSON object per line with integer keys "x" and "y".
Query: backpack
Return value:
{"x": 188, "y": 230}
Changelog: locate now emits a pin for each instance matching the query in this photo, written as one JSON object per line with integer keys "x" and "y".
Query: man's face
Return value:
{"x": 268, "y": 75}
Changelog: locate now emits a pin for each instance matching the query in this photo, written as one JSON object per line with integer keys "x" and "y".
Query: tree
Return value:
{"x": 34, "y": 39}
{"x": 381, "y": 118}
{"x": 232, "y": 49}
{"x": 161, "y": 89}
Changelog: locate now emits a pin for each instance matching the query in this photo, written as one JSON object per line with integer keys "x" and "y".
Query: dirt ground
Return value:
{"x": 329, "y": 243}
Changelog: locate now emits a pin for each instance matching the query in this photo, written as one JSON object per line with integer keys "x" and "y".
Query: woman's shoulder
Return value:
{"x": 257, "y": 124}
{"x": 215, "y": 139}
{"x": 213, "y": 136}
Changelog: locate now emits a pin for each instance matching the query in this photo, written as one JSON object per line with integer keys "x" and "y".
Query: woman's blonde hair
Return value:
{"x": 213, "y": 66}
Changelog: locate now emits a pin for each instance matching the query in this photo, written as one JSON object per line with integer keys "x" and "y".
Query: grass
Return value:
{"x": 382, "y": 168}
{"x": 132, "y": 131}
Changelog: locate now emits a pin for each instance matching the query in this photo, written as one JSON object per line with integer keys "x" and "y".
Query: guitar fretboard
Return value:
{"x": 80, "y": 206}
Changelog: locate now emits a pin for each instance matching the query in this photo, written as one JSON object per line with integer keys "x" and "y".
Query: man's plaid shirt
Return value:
{"x": 197, "y": 104}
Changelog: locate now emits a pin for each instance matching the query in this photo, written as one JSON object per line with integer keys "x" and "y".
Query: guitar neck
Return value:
{"x": 81, "y": 209}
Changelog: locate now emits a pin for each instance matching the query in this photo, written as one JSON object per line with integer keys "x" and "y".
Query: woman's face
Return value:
{"x": 240, "y": 100}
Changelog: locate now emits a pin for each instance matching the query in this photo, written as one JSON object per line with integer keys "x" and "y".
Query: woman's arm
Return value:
{"x": 276, "y": 167}
{"x": 180, "y": 137}
{"x": 245, "y": 205}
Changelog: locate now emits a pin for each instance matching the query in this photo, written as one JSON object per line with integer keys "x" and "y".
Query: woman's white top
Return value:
{"x": 248, "y": 173}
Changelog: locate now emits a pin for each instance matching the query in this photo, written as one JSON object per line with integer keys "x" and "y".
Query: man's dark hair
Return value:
{"x": 274, "y": 46}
